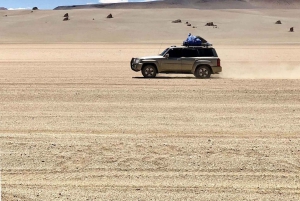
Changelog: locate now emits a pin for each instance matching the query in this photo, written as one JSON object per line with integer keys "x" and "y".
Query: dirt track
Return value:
{"x": 76, "y": 123}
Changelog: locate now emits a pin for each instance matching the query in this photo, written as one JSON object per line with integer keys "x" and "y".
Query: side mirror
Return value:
{"x": 167, "y": 56}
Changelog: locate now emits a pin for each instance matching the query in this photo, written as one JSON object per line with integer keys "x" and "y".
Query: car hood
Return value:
{"x": 151, "y": 57}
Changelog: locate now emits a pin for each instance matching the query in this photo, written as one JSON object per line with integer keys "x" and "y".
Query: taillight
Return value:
{"x": 219, "y": 62}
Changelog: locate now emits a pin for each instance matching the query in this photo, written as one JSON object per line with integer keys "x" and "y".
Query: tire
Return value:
{"x": 149, "y": 71}
{"x": 203, "y": 72}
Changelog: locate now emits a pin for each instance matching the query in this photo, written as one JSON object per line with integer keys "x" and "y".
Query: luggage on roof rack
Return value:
{"x": 195, "y": 41}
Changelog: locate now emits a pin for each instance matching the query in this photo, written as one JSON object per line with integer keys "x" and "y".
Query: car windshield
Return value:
{"x": 164, "y": 52}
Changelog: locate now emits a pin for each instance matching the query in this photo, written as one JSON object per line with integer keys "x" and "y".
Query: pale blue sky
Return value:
{"x": 50, "y": 4}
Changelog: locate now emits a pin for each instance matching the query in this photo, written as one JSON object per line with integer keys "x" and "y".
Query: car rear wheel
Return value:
{"x": 202, "y": 72}
{"x": 149, "y": 71}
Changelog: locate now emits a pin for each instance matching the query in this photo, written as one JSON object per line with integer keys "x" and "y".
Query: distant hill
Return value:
{"x": 197, "y": 4}
{"x": 2, "y": 8}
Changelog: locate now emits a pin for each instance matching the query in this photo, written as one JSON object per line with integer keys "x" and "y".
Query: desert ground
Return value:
{"x": 77, "y": 124}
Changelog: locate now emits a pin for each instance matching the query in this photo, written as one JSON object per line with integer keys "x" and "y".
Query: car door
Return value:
{"x": 189, "y": 55}
{"x": 173, "y": 62}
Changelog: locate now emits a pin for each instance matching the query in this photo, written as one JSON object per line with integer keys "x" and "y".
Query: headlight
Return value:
{"x": 137, "y": 61}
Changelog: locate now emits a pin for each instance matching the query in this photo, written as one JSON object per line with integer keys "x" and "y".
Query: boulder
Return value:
{"x": 35, "y": 8}
{"x": 177, "y": 21}
{"x": 292, "y": 29}
{"x": 278, "y": 22}
{"x": 109, "y": 16}
{"x": 188, "y": 25}
{"x": 209, "y": 24}
{"x": 66, "y": 19}
{"x": 66, "y": 15}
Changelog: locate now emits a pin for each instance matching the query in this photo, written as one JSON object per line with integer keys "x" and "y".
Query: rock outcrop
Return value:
{"x": 177, "y": 21}
{"x": 209, "y": 24}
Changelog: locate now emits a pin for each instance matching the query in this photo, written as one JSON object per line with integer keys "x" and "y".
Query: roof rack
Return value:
{"x": 202, "y": 45}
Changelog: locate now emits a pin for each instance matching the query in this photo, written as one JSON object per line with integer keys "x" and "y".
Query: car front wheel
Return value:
{"x": 202, "y": 72}
{"x": 149, "y": 71}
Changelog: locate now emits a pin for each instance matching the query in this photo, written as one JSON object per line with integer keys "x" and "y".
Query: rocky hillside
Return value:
{"x": 197, "y": 4}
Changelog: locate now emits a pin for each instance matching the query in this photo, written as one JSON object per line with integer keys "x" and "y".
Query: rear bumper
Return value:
{"x": 216, "y": 69}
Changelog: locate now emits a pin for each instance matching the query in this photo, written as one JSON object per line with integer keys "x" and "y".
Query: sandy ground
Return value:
{"x": 77, "y": 124}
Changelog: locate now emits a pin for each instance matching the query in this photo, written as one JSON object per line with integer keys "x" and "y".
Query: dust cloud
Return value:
{"x": 247, "y": 70}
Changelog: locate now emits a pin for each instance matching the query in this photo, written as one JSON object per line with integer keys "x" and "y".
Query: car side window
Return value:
{"x": 190, "y": 53}
{"x": 206, "y": 52}
{"x": 175, "y": 53}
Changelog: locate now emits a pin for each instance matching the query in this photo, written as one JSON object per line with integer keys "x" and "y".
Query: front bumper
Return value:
{"x": 135, "y": 66}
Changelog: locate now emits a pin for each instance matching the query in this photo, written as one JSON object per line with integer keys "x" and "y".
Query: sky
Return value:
{"x": 50, "y": 4}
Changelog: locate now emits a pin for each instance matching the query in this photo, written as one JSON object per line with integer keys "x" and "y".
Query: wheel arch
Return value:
{"x": 199, "y": 65}
{"x": 150, "y": 63}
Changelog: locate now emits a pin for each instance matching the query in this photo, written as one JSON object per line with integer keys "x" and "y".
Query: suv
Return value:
{"x": 202, "y": 61}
